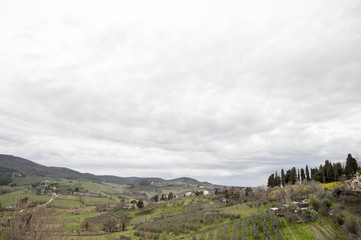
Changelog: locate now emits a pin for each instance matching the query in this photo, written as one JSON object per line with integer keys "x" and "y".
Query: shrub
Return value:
{"x": 307, "y": 216}
{"x": 314, "y": 202}
{"x": 235, "y": 232}
{"x": 291, "y": 216}
{"x": 278, "y": 235}
{"x": 340, "y": 219}
{"x": 225, "y": 232}
{"x": 218, "y": 234}
{"x": 326, "y": 203}
{"x": 255, "y": 232}
{"x": 352, "y": 226}
{"x": 325, "y": 206}
{"x": 352, "y": 201}
{"x": 245, "y": 231}
{"x": 140, "y": 204}
{"x": 85, "y": 225}
{"x": 101, "y": 208}
{"x": 123, "y": 237}
{"x": 210, "y": 236}
{"x": 336, "y": 192}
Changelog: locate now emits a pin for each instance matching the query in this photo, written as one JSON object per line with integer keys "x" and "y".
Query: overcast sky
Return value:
{"x": 222, "y": 91}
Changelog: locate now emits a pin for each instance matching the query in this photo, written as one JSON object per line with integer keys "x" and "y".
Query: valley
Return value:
{"x": 35, "y": 207}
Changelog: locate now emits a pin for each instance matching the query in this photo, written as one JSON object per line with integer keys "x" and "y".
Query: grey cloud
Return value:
{"x": 238, "y": 97}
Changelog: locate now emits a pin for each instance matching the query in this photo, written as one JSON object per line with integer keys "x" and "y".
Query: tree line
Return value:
{"x": 329, "y": 172}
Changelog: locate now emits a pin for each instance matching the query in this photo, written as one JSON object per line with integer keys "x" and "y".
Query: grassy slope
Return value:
{"x": 93, "y": 201}
{"x": 66, "y": 202}
{"x": 10, "y": 199}
{"x": 28, "y": 180}
{"x": 242, "y": 209}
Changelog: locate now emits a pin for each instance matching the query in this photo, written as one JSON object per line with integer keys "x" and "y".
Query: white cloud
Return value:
{"x": 222, "y": 92}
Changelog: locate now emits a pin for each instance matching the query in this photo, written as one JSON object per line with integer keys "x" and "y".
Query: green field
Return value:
{"x": 65, "y": 202}
{"x": 93, "y": 210}
{"x": 12, "y": 198}
{"x": 93, "y": 201}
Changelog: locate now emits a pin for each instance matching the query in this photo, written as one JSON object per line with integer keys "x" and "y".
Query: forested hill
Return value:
{"x": 329, "y": 172}
{"x": 29, "y": 168}
{"x": 10, "y": 165}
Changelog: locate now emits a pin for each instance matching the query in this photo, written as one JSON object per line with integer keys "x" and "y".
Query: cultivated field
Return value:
{"x": 101, "y": 210}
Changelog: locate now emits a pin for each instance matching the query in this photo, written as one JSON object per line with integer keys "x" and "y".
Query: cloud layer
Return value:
{"x": 226, "y": 92}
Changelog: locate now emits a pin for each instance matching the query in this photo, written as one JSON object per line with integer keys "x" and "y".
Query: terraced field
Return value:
{"x": 316, "y": 230}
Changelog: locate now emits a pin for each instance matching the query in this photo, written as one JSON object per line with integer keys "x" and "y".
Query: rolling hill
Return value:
{"x": 13, "y": 164}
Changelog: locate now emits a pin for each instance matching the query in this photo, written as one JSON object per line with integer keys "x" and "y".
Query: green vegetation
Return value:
{"x": 326, "y": 173}
{"x": 5, "y": 176}
{"x": 88, "y": 213}
{"x": 93, "y": 201}
{"x": 65, "y": 202}
{"x": 81, "y": 209}
{"x": 11, "y": 199}
{"x": 331, "y": 185}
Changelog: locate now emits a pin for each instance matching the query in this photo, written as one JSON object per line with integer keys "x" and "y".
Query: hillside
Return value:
{"x": 152, "y": 208}
{"x": 28, "y": 168}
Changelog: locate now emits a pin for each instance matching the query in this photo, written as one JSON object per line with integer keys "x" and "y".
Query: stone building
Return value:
{"x": 354, "y": 184}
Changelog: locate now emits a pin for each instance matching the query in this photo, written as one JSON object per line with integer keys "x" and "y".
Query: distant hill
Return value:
{"x": 11, "y": 164}
{"x": 29, "y": 168}
{"x": 187, "y": 180}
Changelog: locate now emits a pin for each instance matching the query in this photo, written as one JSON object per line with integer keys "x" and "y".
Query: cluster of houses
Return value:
{"x": 197, "y": 193}
{"x": 132, "y": 203}
{"x": 165, "y": 197}
{"x": 296, "y": 206}
{"x": 44, "y": 188}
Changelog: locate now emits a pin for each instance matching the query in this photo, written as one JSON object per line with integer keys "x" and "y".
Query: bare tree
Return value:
{"x": 123, "y": 219}
{"x": 85, "y": 225}
{"x": 110, "y": 224}
{"x": 26, "y": 224}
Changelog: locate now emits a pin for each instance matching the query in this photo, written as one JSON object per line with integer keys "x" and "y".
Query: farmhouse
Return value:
{"x": 354, "y": 184}
{"x": 188, "y": 194}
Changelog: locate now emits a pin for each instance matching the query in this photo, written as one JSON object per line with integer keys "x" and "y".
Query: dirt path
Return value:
{"x": 45, "y": 204}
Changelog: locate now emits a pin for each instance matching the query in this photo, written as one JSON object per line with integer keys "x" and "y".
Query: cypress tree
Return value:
{"x": 302, "y": 174}
{"x": 337, "y": 168}
{"x": 307, "y": 174}
{"x": 288, "y": 176}
{"x": 271, "y": 181}
{"x": 283, "y": 178}
{"x": 351, "y": 166}
{"x": 277, "y": 180}
{"x": 320, "y": 176}
{"x": 314, "y": 172}
{"x": 293, "y": 176}
{"x": 328, "y": 172}
{"x": 298, "y": 174}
